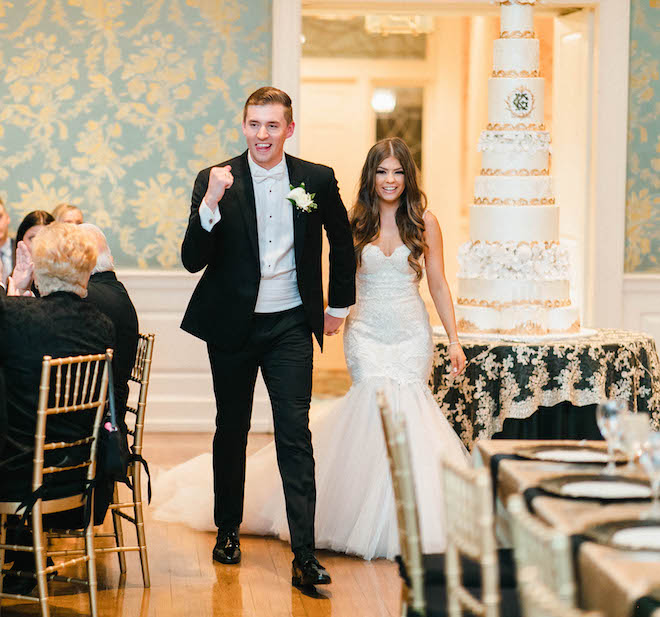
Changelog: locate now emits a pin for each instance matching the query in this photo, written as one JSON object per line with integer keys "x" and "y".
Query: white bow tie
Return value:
{"x": 260, "y": 174}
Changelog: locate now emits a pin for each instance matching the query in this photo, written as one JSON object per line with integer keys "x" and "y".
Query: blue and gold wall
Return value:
{"x": 643, "y": 186}
{"x": 114, "y": 105}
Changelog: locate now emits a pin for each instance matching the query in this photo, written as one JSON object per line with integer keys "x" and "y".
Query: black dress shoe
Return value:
{"x": 227, "y": 547}
{"x": 308, "y": 571}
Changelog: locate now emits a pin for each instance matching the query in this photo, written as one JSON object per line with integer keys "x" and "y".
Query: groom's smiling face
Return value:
{"x": 265, "y": 129}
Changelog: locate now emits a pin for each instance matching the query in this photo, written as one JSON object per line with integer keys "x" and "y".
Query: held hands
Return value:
{"x": 331, "y": 324}
{"x": 220, "y": 179}
{"x": 457, "y": 358}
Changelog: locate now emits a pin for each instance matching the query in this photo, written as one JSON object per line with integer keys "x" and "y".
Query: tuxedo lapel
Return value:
{"x": 244, "y": 190}
{"x": 296, "y": 178}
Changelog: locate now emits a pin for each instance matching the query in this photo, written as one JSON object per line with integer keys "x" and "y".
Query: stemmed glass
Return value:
{"x": 635, "y": 428}
{"x": 650, "y": 460}
{"x": 608, "y": 418}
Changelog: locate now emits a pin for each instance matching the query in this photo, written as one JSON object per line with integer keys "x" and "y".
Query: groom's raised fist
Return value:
{"x": 220, "y": 179}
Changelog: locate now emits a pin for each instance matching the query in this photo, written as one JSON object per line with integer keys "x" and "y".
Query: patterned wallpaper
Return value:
{"x": 643, "y": 187}
{"x": 114, "y": 105}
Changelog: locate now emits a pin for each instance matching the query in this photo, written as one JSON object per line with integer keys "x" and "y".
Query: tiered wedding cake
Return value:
{"x": 513, "y": 276}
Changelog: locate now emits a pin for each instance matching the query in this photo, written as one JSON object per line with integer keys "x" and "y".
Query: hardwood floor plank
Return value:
{"x": 187, "y": 583}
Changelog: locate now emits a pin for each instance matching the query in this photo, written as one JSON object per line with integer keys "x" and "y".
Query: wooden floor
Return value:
{"x": 185, "y": 582}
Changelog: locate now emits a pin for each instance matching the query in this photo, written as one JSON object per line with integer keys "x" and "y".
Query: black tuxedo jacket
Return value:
{"x": 222, "y": 305}
{"x": 109, "y": 295}
{"x": 59, "y": 325}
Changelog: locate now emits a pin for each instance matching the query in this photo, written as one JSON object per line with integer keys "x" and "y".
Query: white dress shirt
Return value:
{"x": 278, "y": 289}
{"x": 6, "y": 258}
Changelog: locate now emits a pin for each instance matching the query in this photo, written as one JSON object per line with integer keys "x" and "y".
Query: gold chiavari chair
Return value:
{"x": 471, "y": 541}
{"x": 80, "y": 387}
{"x": 538, "y": 600}
{"x": 546, "y": 549}
{"x": 412, "y": 594}
{"x": 140, "y": 375}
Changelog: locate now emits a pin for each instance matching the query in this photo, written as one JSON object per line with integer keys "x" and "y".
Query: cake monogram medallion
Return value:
{"x": 520, "y": 102}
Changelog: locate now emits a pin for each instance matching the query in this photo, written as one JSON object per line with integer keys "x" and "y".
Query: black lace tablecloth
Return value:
{"x": 513, "y": 378}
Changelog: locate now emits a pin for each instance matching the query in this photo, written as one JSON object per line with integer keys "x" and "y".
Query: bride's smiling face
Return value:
{"x": 390, "y": 180}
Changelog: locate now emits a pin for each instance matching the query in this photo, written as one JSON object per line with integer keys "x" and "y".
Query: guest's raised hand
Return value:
{"x": 220, "y": 179}
{"x": 458, "y": 361}
{"x": 23, "y": 270}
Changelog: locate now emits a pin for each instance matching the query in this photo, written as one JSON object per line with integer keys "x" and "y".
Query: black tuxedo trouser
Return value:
{"x": 281, "y": 345}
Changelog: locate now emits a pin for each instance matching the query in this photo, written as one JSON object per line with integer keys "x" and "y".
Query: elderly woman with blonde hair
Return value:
{"x": 59, "y": 324}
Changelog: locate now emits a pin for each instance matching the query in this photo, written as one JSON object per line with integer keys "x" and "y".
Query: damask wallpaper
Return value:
{"x": 643, "y": 187}
{"x": 114, "y": 105}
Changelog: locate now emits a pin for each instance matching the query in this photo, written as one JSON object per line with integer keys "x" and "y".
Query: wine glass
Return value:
{"x": 608, "y": 418}
{"x": 635, "y": 428}
{"x": 650, "y": 460}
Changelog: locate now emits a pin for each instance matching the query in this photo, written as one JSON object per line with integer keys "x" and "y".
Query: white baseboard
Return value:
{"x": 181, "y": 390}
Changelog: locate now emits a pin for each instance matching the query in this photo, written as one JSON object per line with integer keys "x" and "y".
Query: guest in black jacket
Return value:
{"x": 58, "y": 324}
{"x": 109, "y": 295}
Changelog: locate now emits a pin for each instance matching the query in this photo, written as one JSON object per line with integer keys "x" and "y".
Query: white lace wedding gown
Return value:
{"x": 388, "y": 345}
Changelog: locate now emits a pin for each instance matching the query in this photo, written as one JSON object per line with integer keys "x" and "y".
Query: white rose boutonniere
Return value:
{"x": 301, "y": 199}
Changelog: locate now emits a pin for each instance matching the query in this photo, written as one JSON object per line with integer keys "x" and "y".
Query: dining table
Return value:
{"x": 521, "y": 387}
{"x": 618, "y": 582}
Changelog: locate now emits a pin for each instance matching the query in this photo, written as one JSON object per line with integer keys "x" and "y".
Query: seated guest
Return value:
{"x": 31, "y": 225}
{"x": 6, "y": 245}
{"x": 68, "y": 213}
{"x": 109, "y": 295}
{"x": 59, "y": 324}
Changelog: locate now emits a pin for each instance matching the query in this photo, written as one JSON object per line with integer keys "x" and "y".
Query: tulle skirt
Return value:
{"x": 355, "y": 510}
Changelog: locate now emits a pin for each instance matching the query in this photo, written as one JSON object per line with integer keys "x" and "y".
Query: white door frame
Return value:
{"x": 606, "y": 236}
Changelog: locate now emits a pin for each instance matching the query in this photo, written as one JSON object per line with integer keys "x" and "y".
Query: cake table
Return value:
{"x": 545, "y": 388}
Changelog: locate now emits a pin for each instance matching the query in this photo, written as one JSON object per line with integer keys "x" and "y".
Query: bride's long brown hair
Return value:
{"x": 365, "y": 214}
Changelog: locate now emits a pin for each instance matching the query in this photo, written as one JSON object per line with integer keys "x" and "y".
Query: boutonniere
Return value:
{"x": 301, "y": 199}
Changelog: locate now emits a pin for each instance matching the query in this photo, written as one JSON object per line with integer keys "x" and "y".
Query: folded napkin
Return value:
{"x": 495, "y": 461}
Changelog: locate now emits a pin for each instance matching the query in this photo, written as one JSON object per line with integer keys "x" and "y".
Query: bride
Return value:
{"x": 388, "y": 345}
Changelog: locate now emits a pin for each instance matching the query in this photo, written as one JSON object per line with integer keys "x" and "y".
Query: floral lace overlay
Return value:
{"x": 506, "y": 379}
{"x": 388, "y": 332}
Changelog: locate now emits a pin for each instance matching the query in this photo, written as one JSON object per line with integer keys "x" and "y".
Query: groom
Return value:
{"x": 258, "y": 304}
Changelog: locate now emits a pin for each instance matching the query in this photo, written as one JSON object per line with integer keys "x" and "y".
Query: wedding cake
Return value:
{"x": 513, "y": 275}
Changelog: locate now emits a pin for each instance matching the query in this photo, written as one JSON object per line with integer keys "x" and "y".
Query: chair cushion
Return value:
{"x": 435, "y": 587}
{"x": 434, "y": 569}
{"x": 436, "y": 602}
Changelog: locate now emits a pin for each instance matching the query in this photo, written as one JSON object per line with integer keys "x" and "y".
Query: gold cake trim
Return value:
{"x": 496, "y": 201}
{"x": 546, "y": 243}
{"x": 488, "y": 171}
{"x": 500, "y": 73}
{"x": 496, "y": 304}
{"x": 517, "y": 34}
{"x": 515, "y": 127}
{"x": 529, "y": 327}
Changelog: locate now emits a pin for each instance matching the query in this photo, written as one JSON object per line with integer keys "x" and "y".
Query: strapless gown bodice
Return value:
{"x": 388, "y": 332}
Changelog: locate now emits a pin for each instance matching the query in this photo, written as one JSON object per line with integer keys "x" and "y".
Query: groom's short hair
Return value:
{"x": 270, "y": 96}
